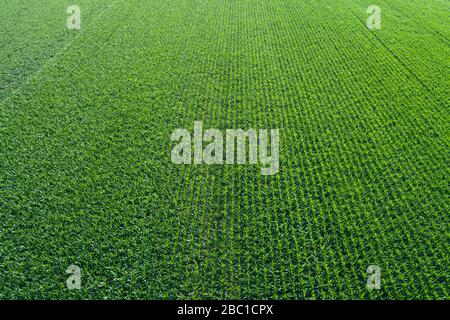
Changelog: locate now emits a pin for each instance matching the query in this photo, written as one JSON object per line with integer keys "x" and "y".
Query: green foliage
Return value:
{"x": 85, "y": 170}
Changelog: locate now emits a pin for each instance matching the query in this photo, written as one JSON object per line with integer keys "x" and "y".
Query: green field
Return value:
{"x": 86, "y": 176}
